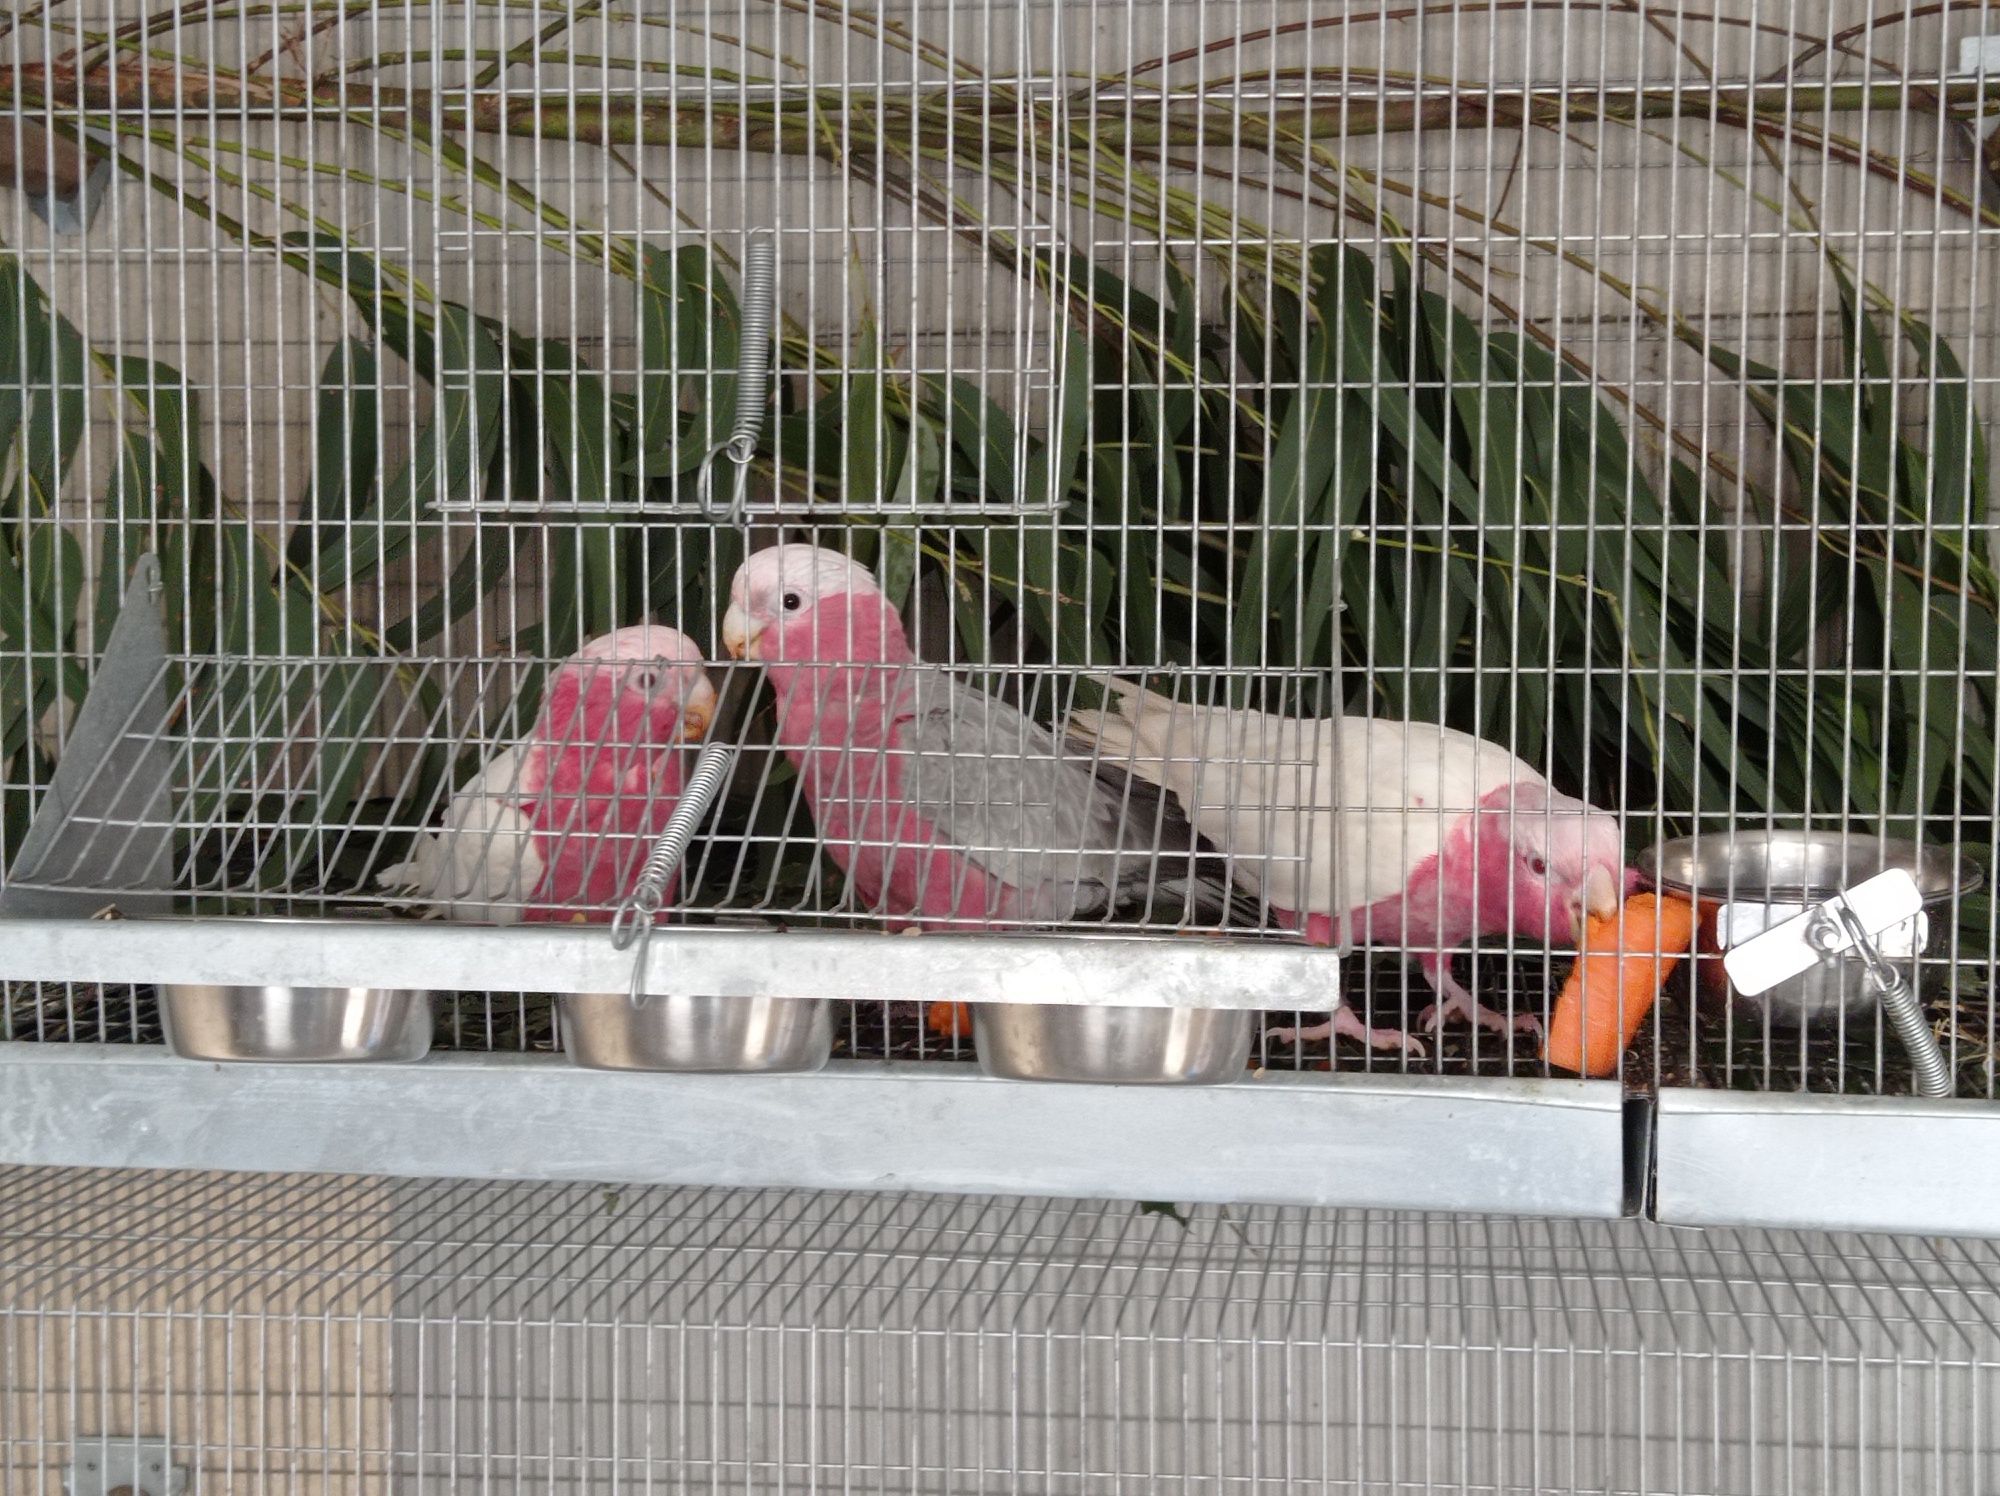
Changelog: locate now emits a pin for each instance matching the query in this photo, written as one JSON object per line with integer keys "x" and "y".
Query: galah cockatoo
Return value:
{"x": 1441, "y": 836}
{"x": 560, "y": 824}
{"x": 946, "y": 807}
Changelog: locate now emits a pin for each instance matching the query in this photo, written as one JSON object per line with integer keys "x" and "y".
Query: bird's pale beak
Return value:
{"x": 736, "y": 635}
{"x": 1600, "y": 894}
{"x": 696, "y": 717}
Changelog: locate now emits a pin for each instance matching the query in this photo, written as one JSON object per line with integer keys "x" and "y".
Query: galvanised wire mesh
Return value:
{"x": 416, "y": 1335}
{"x": 1613, "y": 385}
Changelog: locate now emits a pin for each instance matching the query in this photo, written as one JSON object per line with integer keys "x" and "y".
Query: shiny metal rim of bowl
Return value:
{"x": 1801, "y": 866}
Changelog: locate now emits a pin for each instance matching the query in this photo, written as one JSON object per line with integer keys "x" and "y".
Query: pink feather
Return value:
{"x": 602, "y": 774}
{"x": 839, "y": 721}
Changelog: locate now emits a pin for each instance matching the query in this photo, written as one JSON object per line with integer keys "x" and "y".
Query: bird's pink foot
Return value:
{"x": 1455, "y": 1002}
{"x": 1348, "y": 1025}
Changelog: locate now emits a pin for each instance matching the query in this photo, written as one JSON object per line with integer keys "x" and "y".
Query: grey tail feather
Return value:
{"x": 1212, "y": 899}
{"x": 1188, "y": 868}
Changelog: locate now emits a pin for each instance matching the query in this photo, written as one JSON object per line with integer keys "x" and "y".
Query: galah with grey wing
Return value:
{"x": 1395, "y": 833}
{"x": 558, "y": 826}
{"x": 946, "y": 807}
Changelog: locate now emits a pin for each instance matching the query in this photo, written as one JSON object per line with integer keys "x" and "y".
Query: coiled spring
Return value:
{"x": 635, "y": 917}
{"x": 753, "y": 371}
{"x": 1899, "y": 1002}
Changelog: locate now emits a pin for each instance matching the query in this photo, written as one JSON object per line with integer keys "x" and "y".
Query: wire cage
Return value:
{"x": 410, "y": 1335}
{"x": 1336, "y": 470}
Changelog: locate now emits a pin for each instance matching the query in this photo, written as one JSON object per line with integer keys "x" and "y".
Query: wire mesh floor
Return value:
{"x": 428, "y": 1336}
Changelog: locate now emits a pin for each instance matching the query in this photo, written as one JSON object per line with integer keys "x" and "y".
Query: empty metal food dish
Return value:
{"x": 1117, "y": 1046}
{"x": 697, "y": 1035}
{"x": 1770, "y": 876}
{"x": 299, "y": 1025}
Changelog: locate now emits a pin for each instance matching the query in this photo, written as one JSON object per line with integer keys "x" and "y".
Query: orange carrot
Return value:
{"x": 953, "y": 1020}
{"x": 1624, "y": 963}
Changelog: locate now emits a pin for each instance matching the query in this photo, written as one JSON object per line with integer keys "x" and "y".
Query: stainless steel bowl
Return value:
{"x": 697, "y": 1035}
{"x": 1786, "y": 872}
{"x": 316, "y": 1025}
{"x": 1119, "y": 1046}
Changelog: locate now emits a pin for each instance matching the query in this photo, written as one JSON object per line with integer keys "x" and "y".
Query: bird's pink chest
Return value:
{"x": 1465, "y": 889}
{"x": 844, "y": 743}
{"x": 596, "y": 809}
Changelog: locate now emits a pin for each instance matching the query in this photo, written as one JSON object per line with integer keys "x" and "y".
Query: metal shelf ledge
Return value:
{"x": 1107, "y": 970}
{"x": 1847, "y": 1163}
{"x": 1532, "y": 1147}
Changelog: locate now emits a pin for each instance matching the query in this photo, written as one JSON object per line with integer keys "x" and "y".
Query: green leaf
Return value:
{"x": 453, "y": 457}
{"x": 1309, "y": 444}
{"x": 598, "y": 545}
{"x": 715, "y": 395}
{"x": 873, "y": 441}
{"x": 38, "y": 600}
{"x": 588, "y": 454}
{"x": 1870, "y": 461}
{"x": 923, "y": 473}
{"x": 1051, "y": 470}
{"x": 472, "y": 397}
{"x": 1957, "y": 445}
{"x": 130, "y": 506}
{"x": 355, "y": 274}
{"x": 16, "y": 609}
{"x": 896, "y": 570}
{"x": 20, "y": 299}
{"x": 262, "y": 619}
{"x": 485, "y": 560}
{"x": 979, "y": 431}
{"x": 55, "y": 574}
{"x": 346, "y": 465}
{"x": 673, "y": 341}
{"x": 1064, "y": 591}
{"x": 44, "y": 363}
{"x": 382, "y": 535}
{"x": 347, "y": 697}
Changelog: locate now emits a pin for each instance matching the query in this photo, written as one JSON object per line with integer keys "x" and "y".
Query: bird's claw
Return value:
{"x": 1347, "y": 1024}
{"x": 1456, "y": 1006}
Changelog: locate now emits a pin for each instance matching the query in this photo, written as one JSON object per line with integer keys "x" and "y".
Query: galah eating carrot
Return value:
{"x": 946, "y": 807}
{"x": 558, "y": 826}
{"x": 1440, "y": 837}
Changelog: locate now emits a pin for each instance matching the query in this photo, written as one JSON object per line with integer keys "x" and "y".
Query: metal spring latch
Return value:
{"x": 636, "y": 915}
{"x": 753, "y": 375}
{"x": 1851, "y": 921}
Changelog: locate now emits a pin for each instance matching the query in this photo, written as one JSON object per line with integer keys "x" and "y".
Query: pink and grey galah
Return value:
{"x": 947, "y": 808}
{"x": 1406, "y": 834}
{"x": 558, "y": 826}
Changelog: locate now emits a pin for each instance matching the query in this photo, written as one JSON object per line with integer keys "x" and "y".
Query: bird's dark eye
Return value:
{"x": 792, "y": 601}
{"x": 645, "y": 680}
{"x": 1538, "y": 866}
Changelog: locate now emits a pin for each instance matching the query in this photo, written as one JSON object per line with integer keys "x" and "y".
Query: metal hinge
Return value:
{"x": 121, "y": 1465}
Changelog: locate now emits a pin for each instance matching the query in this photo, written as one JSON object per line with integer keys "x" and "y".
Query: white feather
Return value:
{"x": 1319, "y": 816}
{"x": 481, "y": 865}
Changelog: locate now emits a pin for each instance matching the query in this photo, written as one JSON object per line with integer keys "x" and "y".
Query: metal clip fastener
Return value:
{"x": 1856, "y": 920}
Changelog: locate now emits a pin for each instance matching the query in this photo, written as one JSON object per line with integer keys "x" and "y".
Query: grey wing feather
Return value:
{"x": 1028, "y": 811}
